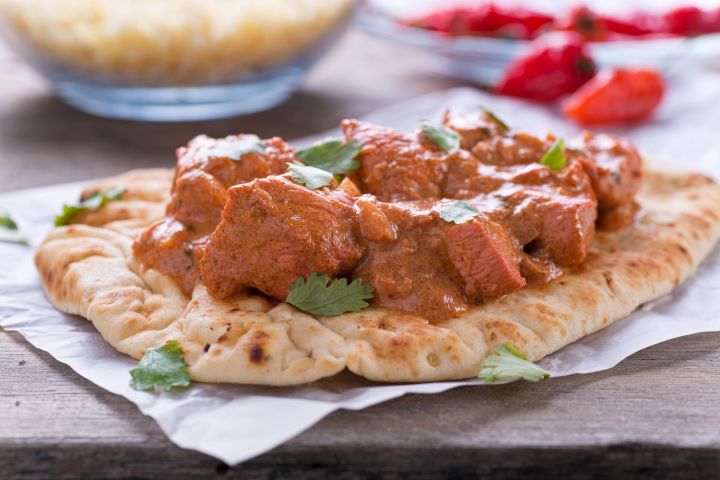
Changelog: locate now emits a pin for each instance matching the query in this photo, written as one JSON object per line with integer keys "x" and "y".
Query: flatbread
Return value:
{"x": 88, "y": 269}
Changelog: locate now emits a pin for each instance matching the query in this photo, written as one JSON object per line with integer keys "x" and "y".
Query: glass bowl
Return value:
{"x": 173, "y": 60}
{"x": 483, "y": 60}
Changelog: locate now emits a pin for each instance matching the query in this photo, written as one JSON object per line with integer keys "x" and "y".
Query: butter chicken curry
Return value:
{"x": 453, "y": 215}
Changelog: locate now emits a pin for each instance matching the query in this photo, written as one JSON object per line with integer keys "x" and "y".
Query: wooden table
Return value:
{"x": 657, "y": 415}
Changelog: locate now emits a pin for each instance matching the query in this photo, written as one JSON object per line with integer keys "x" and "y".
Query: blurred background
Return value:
{"x": 96, "y": 87}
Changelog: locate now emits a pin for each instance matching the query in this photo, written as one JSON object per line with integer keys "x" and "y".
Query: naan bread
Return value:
{"x": 88, "y": 269}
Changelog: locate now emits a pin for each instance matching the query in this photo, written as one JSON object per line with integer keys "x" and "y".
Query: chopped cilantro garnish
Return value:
{"x": 93, "y": 202}
{"x": 555, "y": 156}
{"x": 509, "y": 364}
{"x": 320, "y": 295}
{"x": 235, "y": 149}
{"x": 458, "y": 212}
{"x": 9, "y": 231}
{"x": 442, "y": 136}
{"x": 497, "y": 120}
{"x": 161, "y": 368}
{"x": 313, "y": 178}
{"x": 332, "y": 155}
{"x": 7, "y": 222}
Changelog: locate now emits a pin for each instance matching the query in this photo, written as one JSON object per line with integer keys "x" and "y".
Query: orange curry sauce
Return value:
{"x": 244, "y": 223}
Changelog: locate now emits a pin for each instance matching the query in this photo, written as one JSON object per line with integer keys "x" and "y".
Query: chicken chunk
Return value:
{"x": 615, "y": 169}
{"x": 206, "y": 169}
{"x": 486, "y": 259}
{"x": 564, "y": 211}
{"x": 472, "y": 128}
{"x": 551, "y": 212}
{"x": 274, "y": 231}
{"x": 421, "y": 263}
{"x": 409, "y": 268}
{"x": 395, "y": 167}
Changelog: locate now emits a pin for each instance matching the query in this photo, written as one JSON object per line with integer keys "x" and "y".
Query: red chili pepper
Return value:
{"x": 684, "y": 21}
{"x": 445, "y": 21}
{"x": 492, "y": 19}
{"x": 712, "y": 21}
{"x": 486, "y": 19}
{"x": 634, "y": 25}
{"x": 554, "y": 65}
{"x": 585, "y": 22}
{"x": 623, "y": 95}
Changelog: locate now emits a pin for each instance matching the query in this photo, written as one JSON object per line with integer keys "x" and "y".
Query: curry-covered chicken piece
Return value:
{"x": 419, "y": 263}
{"x": 206, "y": 168}
{"x": 393, "y": 166}
{"x": 612, "y": 163}
{"x": 491, "y": 142}
{"x": 550, "y": 213}
{"x": 237, "y": 222}
{"x": 559, "y": 205}
{"x": 486, "y": 258}
{"x": 274, "y": 231}
{"x": 475, "y": 128}
{"x": 615, "y": 169}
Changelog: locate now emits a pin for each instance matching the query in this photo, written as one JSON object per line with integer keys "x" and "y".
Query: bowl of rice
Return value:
{"x": 173, "y": 60}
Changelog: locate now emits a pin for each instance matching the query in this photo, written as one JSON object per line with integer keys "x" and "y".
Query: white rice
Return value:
{"x": 172, "y": 41}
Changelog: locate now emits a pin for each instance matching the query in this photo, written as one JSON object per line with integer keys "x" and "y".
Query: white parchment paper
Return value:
{"x": 235, "y": 423}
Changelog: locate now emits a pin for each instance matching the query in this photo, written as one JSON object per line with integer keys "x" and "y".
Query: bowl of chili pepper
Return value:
{"x": 477, "y": 41}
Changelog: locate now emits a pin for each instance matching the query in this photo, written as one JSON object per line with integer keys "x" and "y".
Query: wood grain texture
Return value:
{"x": 654, "y": 416}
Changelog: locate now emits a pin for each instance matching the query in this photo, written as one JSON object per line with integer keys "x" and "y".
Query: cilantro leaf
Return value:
{"x": 332, "y": 155}
{"x": 316, "y": 296}
{"x": 313, "y": 178}
{"x": 161, "y": 368}
{"x": 234, "y": 150}
{"x": 555, "y": 156}
{"x": 7, "y": 222}
{"x": 9, "y": 231}
{"x": 509, "y": 364}
{"x": 497, "y": 120}
{"x": 93, "y": 202}
{"x": 458, "y": 212}
{"x": 442, "y": 136}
